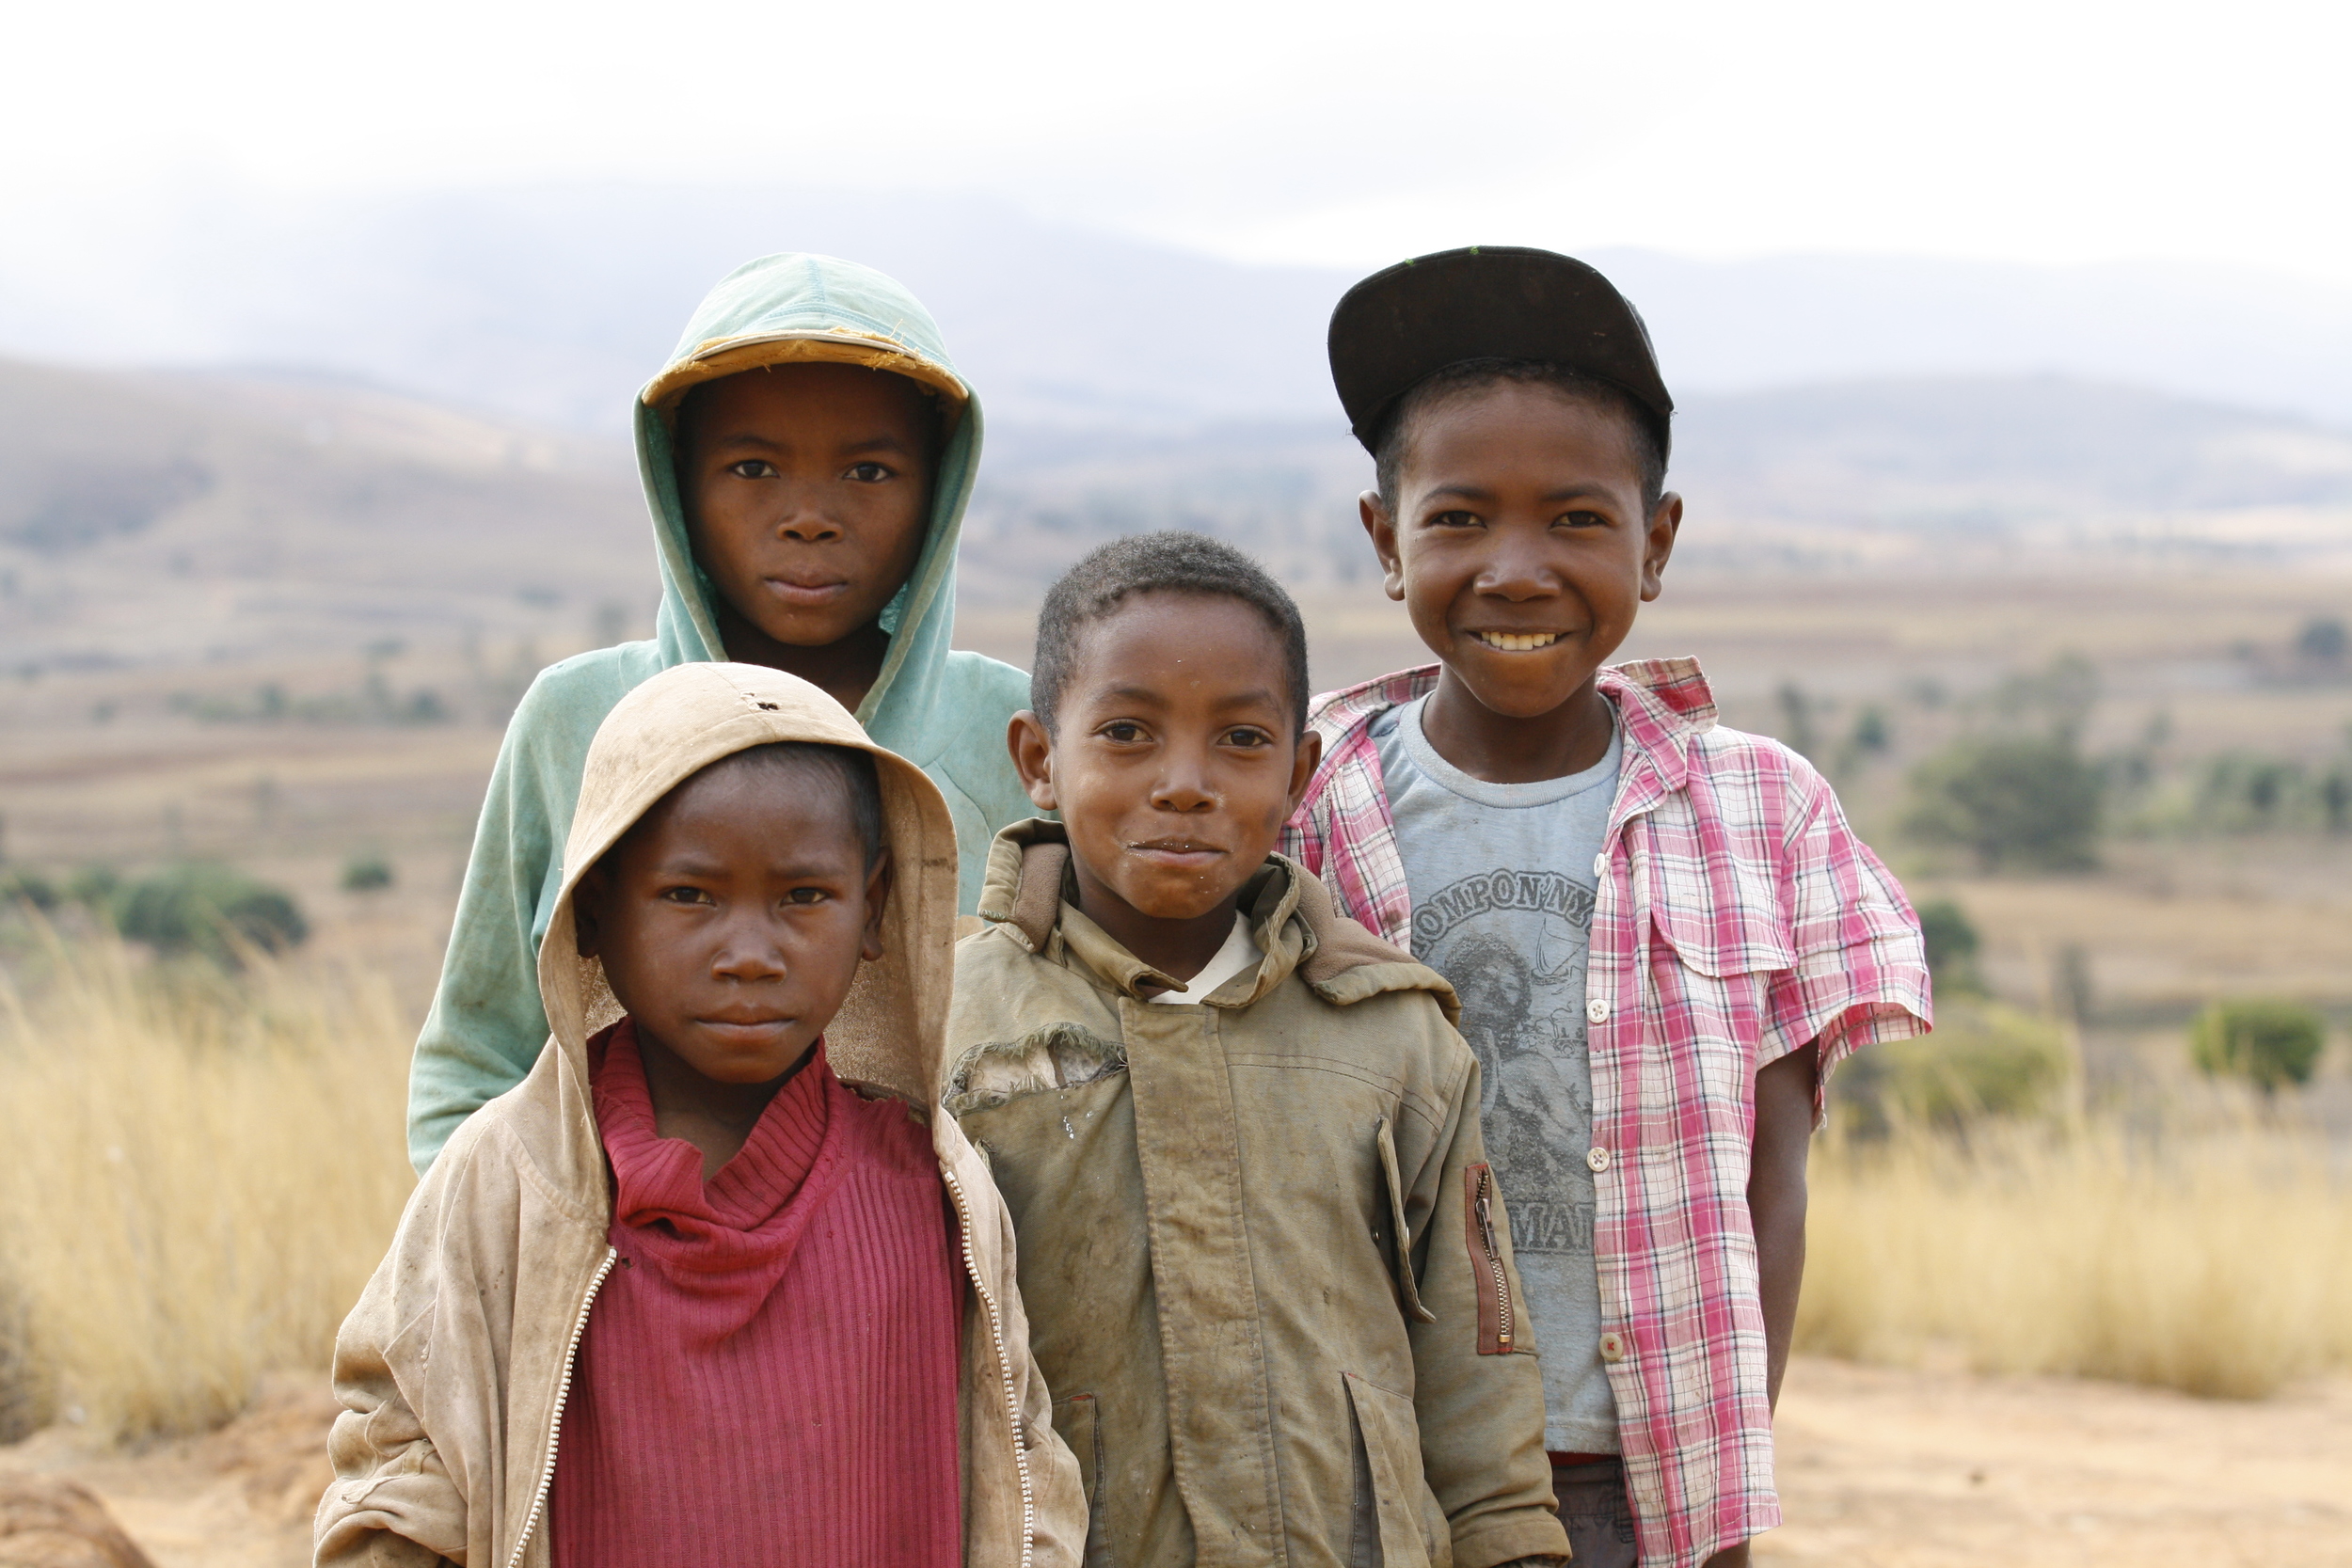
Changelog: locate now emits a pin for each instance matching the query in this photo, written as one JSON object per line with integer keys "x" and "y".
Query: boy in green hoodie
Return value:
{"x": 807, "y": 453}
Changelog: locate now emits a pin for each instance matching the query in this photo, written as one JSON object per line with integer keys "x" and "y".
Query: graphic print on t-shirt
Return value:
{"x": 1515, "y": 944}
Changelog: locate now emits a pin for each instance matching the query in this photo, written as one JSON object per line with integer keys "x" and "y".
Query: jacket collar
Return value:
{"x": 1027, "y": 894}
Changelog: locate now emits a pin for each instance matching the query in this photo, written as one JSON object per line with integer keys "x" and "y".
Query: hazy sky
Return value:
{"x": 1344, "y": 133}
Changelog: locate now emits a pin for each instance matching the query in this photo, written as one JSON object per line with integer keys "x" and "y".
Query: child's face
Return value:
{"x": 732, "y": 918}
{"x": 1178, "y": 758}
{"x": 807, "y": 491}
{"x": 1520, "y": 544}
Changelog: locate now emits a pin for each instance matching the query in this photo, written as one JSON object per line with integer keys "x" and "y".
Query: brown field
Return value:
{"x": 1956, "y": 1446}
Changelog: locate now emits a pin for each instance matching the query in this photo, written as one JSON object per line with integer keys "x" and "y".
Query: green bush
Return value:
{"x": 2014, "y": 802}
{"x": 367, "y": 873}
{"x": 1951, "y": 942}
{"x": 2269, "y": 1045}
{"x": 1985, "y": 1059}
{"x": 26, "y": 886}
{"x": 208, "y": 909}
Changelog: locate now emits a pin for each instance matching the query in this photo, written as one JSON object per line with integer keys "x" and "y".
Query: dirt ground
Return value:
{"x": 1883, "y": 1468}
{"x": 1879, "y": 1469}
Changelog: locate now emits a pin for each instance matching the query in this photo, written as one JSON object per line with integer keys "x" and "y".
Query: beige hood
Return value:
{"x": 889, "y": 1033}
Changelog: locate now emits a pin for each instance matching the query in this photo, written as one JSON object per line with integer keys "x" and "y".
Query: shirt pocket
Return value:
{"x": 1712, "y": 974}
{"x": 1397, "y": 1522}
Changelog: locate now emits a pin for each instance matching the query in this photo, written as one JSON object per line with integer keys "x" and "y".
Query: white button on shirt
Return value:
{"x": 1597, "y": 1010}
{"x": 1601, "y": 864}
{"x": 1596, "y": 1158}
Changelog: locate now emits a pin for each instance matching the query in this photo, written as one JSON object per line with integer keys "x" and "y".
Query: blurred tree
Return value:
{"x": 204, "y": 908}
{"x": 2322, "y": 641}
{"x": 2014, "y": 802}
{"x": 2335, "y": 796}
{"x": 367, "y": 873}
{"x": 1985, "y": 1059}
{"x": 1951, "y": 942}
{"x": 1796, "y": 720}
{"x": 2056, "y": 699}
{"x": 2269, "y": 1045}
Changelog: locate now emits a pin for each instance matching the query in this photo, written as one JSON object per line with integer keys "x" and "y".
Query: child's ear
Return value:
{"x": 1303, "y": 768}
{"x": 879, "y": 882}
{"x": 1659, "y": 542}
{"x": 588, "y": 911}
{"x": 1382, "y": 527}
{"x": 1033, "y": 758}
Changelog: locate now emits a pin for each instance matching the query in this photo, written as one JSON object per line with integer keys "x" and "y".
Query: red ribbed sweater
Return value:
{"x": 769, "y": 1375}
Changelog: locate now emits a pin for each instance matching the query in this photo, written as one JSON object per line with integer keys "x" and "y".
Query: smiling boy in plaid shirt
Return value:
{"x": 1663, "y": 931}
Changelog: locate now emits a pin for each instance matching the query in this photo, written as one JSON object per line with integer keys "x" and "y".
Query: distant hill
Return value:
{"x": 551, "y": 304}
{"x": 164, "y": 519}
{"x": 1925, "y": 469}
{"x": 158, "y": 519}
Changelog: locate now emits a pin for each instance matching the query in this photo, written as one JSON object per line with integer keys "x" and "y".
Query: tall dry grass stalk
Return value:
{"x": 2218, "y": 1263}
{"x": 200, "y": 1174}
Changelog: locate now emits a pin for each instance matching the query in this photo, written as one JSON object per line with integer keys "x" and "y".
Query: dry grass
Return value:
{"x": 2219, "y": 1264}
{"x": 201, "y": 1174}
{"x": 202, "y": 1171}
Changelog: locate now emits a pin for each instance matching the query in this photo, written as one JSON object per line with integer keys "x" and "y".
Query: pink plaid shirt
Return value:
{"x": 1737, "y": 918}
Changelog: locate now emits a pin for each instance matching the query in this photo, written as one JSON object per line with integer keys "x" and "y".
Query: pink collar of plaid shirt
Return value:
{"x": 1736, "y": 918}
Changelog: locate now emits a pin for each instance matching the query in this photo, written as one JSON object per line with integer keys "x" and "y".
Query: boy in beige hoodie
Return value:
{"x": 719, "y": 1242}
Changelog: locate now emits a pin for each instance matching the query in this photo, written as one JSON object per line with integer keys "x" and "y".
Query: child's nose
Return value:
{"x": 1184, "y": 788}
{"x": 749, "y": 955}
{"x": 808, "y": 525}
{"x": 1518, "y": 572}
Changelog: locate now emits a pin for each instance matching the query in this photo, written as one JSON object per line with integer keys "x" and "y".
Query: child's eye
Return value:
{"x": 1248, "y": 736}
{"x": 870, "y": 473}
{"x": 805, "y": 895}
{"x": 1583, "y": 520}
{"x": 753, "y": 468}
{"x": 1455, "y": 519}
{"x": 1121, "y": 732}
{"x": 686, "y": 895}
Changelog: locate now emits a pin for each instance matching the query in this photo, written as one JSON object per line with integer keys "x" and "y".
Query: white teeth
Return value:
{"x": 1518, "y": 643}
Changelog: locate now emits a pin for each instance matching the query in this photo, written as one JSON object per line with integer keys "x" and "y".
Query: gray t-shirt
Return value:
{"x": 1501, "y": 881}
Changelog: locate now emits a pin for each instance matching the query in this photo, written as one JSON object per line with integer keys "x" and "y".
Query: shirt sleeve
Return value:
{"x": 488, "y": 1024}
{"x": 1860, "y": 971}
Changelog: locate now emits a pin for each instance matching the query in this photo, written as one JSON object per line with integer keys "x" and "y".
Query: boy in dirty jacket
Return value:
{"x": 719, "y": 1242}
{"x": 1269, "y": 1275}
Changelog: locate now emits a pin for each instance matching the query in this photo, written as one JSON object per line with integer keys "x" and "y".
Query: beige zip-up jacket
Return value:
{"x": 454, "y": 1367}
{"x": 1269, "y": 1275}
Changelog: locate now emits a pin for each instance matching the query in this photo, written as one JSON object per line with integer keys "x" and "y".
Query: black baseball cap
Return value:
{"x": 1487, "y": 302}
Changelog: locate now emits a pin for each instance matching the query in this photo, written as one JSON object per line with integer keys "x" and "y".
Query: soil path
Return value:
{"x": 1879, "y": 1469}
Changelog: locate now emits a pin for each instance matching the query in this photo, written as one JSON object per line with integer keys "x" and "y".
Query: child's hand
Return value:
{"x": 1730, "y": 1556}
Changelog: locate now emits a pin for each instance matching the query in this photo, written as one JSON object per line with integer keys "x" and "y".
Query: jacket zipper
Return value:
{"x": 563, "y": 1393}
{"x": 1494, "y": 1257}
{"x": 1003, "y": 1367}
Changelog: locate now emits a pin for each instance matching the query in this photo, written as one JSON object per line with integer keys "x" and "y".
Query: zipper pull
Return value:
{"x": 1485, "y": 1211}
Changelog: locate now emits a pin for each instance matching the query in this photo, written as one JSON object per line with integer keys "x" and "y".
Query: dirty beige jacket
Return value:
{"x": 454, "y": 1367}
{"x": 1269, "y": 1277}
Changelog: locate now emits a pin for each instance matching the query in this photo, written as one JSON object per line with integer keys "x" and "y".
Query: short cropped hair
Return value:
{"x": 1643, "y": 436}
{"x": 1170, "y": 561}
{"x": 844, "y": 768}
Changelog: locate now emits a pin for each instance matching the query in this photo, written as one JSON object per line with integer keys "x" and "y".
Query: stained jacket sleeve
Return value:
{"x": 487, "y": 1026}
{"x": 393, "y": 1501}
{"x": 1478, "y": 1392}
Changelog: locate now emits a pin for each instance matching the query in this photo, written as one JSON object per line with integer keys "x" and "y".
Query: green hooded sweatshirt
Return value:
{"x": 944, "y": 711}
